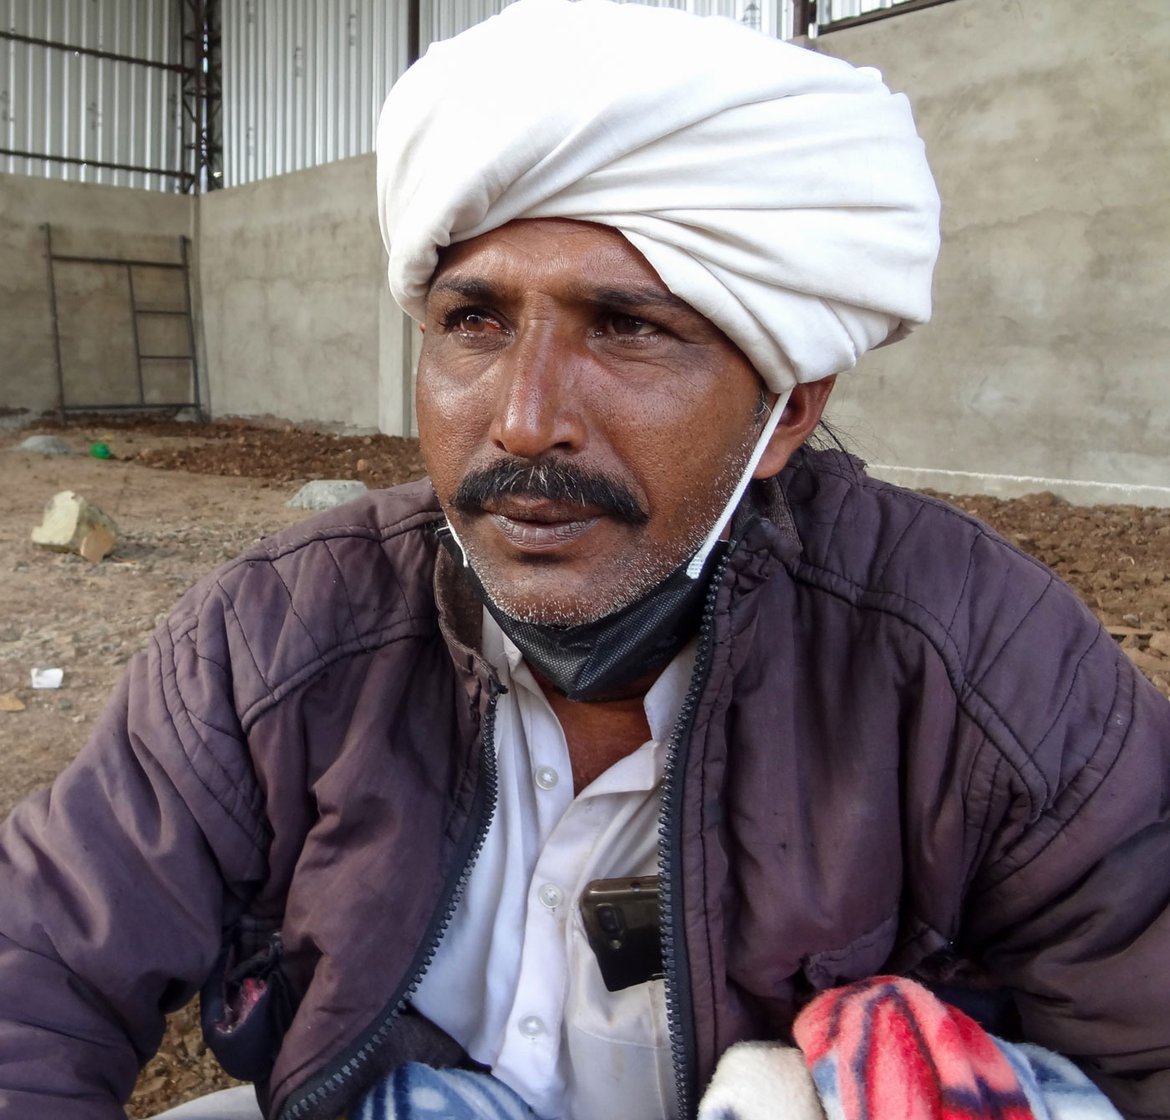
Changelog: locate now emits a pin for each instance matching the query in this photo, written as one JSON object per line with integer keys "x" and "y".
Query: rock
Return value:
{"x": 10, "y": 702}
{"x": 188, "y": 416}
{"x": 15, "y": 420}
{"x": 1160, "y": 642}
{"x": 96, "y": 544}
{"x": 71, "y": 524}
{"x": 325, "y": 493}
{"x": 44, "y": 445}
{"x": 1147, "y": 662}
{"x": 47, "y": 678}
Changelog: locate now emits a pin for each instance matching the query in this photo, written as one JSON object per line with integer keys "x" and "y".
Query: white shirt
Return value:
{"x": 514, "y": 980}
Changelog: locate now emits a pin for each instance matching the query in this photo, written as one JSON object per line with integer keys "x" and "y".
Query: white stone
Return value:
{"x": 72, "y": 524}
{"x": 44, "y": 445}
{"x": 325, "y": 493}
{"x": 14, "y": 421}
{"x": 47, "y": 678}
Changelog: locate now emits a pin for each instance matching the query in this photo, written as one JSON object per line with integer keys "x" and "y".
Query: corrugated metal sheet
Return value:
{"x": 304, "y": 80}
{"x": 440, "y": 19}
{"x": 829, "y": 11}
{"x": 56, "y": 102}
{"x": 443, "y": 18}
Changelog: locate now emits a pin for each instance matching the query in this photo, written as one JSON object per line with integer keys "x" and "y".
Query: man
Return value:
{"x": 364, "y": 783}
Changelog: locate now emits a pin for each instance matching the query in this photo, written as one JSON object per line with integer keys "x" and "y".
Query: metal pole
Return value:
{"x": 184, "y": 245}
{"x": 414, "y": 46}
{"x": 203, "y": 92}
{"x": 137, "y": 340}
{"x": 164, "y": 172}
{"x": 902, "y": 8}
{"x": 803, "y": 14}
{"x": 92, "y": 52}
{"x": 56, "y": 326}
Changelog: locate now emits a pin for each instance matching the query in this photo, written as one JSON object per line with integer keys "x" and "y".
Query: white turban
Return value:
{"x": 783, "y": 194}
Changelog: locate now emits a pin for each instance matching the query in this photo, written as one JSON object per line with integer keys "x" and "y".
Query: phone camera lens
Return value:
{"x": 610, "y": 920}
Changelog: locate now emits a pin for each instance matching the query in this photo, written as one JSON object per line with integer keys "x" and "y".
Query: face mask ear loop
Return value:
{"x": 700, "y": 557}
{"x": 448, "y": 527}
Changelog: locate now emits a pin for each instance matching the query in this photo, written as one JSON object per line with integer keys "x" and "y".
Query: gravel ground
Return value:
{"x": 186, "y": 497}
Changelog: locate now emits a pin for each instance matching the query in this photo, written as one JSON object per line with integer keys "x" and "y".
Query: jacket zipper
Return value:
{"x": 679, "y": 1008}
{"x": 680, "y": 1020}
{"x": 310, "y": 1104}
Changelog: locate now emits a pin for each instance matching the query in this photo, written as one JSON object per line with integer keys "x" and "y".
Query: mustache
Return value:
{"x": 553, "y": 480}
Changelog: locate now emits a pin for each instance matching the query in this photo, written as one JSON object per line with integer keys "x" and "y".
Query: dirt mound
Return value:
{"x": 237, "y": 449}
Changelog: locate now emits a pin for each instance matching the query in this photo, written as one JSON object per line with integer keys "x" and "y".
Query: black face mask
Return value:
{"x": 594, "y": 660}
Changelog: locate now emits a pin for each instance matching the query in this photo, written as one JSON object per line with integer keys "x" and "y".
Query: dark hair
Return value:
{"x": 826, "y": 437}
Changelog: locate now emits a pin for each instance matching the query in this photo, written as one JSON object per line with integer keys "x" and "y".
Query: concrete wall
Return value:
{"x": 1047, "y": 124}
{"x": 97, "y": 330}
{"x": 296, "y": 317}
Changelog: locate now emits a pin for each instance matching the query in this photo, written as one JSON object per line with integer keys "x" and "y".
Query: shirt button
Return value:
{"x": 550, "y": 895}
{"x": 546, "y": 777}
{"x": 531, "y": 1026}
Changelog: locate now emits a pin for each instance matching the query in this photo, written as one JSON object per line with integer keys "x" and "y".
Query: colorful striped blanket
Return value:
{"x": 881, "y": 1049}
{"x": 887, "y": 1049}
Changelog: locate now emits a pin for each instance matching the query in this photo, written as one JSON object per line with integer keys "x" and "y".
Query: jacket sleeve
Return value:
{"x": 114, "y": 884}
{"x": 1071, "y": 904}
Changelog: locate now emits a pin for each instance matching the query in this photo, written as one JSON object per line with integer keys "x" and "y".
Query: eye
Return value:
{"x": 629, "y": 326}
{"x": 471, "y": 320}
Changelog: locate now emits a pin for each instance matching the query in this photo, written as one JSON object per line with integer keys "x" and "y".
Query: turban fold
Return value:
{"x": 783, "y": 194}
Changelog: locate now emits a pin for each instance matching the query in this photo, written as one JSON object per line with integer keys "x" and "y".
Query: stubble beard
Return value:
{"x": 638, "y": 577}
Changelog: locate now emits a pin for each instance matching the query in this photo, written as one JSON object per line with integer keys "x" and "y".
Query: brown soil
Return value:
{"x": 186, "y": 497}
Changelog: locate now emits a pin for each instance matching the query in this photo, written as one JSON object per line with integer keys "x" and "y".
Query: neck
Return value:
{"x": 600, "y": 732}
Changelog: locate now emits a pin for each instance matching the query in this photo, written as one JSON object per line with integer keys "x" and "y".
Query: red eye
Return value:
{"x": 476, "y": 322}
{"x": 470, "y": 321}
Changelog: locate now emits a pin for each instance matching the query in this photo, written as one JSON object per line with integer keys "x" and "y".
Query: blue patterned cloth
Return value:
{"x": 418, "y": 1092}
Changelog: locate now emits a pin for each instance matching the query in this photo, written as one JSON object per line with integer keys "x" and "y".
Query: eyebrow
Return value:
{"x": 634, "y": 298}
{"x": 479, "y": 290}
{"x": 637, "y": 297}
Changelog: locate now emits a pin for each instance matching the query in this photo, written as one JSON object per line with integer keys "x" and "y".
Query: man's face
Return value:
{"x": 582, "y": 426}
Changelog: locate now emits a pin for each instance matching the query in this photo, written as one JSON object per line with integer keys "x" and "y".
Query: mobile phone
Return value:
{"x": 621, "y": 922}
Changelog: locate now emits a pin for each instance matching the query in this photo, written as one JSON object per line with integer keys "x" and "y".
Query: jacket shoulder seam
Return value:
{"x": 366, "y": 642}
{"x": 252, "y": 825}
{"x": 893, "y": 604}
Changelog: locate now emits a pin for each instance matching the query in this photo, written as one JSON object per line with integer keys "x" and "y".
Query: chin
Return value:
{"x": 554, "y": 610}
{"x": 548, "y": 602}
{"x": 549, "y": 596}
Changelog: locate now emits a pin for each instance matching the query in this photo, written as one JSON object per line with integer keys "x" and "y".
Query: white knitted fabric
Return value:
{"x": 783, "y": 194}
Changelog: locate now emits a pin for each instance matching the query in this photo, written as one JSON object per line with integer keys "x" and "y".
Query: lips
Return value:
{"x": 537, "y": 524}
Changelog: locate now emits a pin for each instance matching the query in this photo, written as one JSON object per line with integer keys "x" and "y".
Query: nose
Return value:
{"x": 536, "y": 410}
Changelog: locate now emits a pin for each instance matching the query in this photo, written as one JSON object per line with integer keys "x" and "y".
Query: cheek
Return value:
{"x": 446, "y": 427}
{"x": 691, "y": 436}
{"x": 692, "y": 461}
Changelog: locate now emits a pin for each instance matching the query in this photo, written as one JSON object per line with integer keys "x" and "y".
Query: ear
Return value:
{"x": 802, "y": 413}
